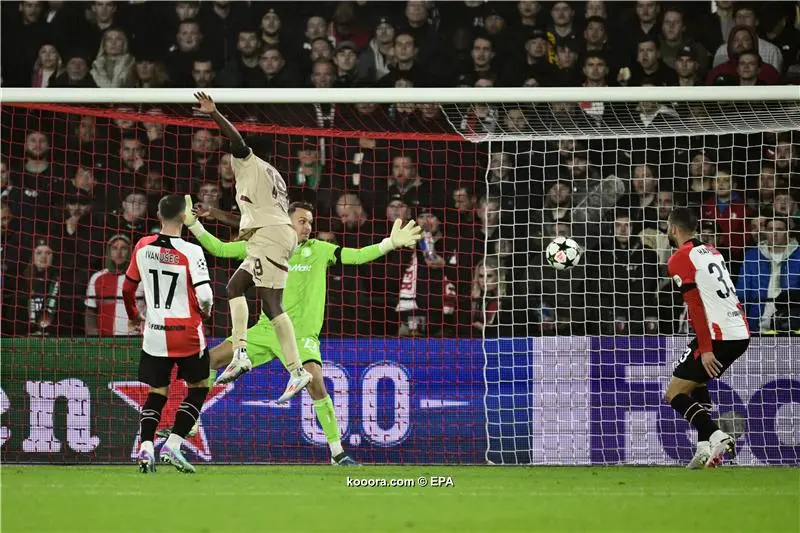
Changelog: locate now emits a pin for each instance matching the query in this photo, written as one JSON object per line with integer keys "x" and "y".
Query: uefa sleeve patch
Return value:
{"x": 201, "y": 265}
{"x": 677, "y": 279}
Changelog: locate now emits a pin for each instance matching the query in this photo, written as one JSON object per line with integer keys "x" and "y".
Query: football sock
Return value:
{"x": 285, "y": 333}
{"x": 239, "y": 313}
{"x": 189, "y": 411}
{"x": 151, "y": 415}
{"x": 327, "y": 419}
{"x": 701, "y": 396}
{"x": 695, "y": 414}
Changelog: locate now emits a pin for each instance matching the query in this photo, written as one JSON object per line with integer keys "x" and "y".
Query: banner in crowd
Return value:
{"x": 564, "y": 400}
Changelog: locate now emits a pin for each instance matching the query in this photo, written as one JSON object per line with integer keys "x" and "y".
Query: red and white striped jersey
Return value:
{"x": 699, "y": 265}
{"x": 104, "y": 295}
{"x": 170, "y": 269}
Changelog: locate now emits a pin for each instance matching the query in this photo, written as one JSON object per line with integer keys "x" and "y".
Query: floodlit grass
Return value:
{"x": 298, "y": 499}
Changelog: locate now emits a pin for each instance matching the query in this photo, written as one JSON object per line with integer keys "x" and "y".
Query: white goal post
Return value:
{"x": 579, "y": 377}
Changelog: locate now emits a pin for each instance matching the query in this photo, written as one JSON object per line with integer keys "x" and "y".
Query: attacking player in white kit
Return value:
{"x": 263, "y": 203}
{"x": 177, "y": 294}
{"x": 721, "y": 334}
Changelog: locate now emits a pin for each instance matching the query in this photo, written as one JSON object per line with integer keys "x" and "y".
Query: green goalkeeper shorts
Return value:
{"x": 263, "y": 346}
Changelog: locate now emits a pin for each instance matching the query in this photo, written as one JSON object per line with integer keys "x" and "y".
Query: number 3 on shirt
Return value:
{"x": 727, "y": 287}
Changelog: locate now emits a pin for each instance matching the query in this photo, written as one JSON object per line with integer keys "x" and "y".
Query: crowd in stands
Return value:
{"x": 79, "y": 189}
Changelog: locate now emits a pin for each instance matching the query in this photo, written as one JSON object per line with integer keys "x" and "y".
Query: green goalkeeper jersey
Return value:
{"x": 306, "y": 286}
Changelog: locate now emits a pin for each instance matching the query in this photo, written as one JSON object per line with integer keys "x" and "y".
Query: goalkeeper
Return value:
{"x": 304, "y": 298}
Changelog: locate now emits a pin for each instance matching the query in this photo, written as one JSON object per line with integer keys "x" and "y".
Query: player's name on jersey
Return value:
{"x": 163, "y": 256}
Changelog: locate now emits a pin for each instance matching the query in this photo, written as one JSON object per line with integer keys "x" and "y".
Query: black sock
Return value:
{"x": 696, "y": 414}
{"x": 189, "y": 411}
{"x": 151, "y": 415}
{"x": 701, "y": 396}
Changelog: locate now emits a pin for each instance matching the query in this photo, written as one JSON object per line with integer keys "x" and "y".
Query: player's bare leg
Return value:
{"x": 323, "y": 406}
{"x": 239, "y": 283}
{"x": 149, "y": 418}
{"x": 299, "y": 377}
{"x": 712, "y": 443}
{"x": 185, "y": 419}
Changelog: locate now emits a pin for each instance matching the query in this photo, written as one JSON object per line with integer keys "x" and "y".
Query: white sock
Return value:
{"x": 174, "y": 441}
{"x": 147, "y": 446}
{"x": 336, "y": 448}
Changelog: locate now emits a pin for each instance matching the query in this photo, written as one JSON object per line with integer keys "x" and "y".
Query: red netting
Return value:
{"x": 81, "y": 185}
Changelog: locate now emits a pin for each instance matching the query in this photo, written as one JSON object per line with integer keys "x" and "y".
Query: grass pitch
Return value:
{"x": 299, "y": 499}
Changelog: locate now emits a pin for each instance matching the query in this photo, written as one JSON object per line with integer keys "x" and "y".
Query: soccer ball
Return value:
{"x": 563, "y": 253}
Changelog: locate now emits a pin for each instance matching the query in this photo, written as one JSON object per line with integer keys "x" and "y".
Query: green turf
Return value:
{"x": 299, "y": 499}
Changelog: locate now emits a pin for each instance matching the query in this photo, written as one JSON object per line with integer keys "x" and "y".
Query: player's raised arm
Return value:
{"x": 206, "y": 105}
{"x": 214, "y": 246}
{"x": 401, "y": 236}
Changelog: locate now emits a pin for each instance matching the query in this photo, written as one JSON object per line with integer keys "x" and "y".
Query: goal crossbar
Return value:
{"x": 394, "y": 95}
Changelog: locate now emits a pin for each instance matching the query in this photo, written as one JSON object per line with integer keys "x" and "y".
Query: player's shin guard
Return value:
{"x": 239, "y": 315}
{"x": 327, "y": 419}
{"x": 284, "y": 330}
{"x": 695, "y": 414}
{"x": 151, "y": 415}
{"x": 189, "y": 411}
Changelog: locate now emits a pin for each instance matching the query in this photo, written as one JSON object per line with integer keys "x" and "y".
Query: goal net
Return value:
{"x": 470, "y": 349}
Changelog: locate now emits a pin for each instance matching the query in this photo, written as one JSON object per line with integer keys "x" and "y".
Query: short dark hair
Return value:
{"x": 649, "y": 39}
{"x": 684, "y": 218}
{"x": 783, "y": 220}
{"x": 294, "y": 206}
{"x": 595, "y": 54}
{"x": 171, "y": 206}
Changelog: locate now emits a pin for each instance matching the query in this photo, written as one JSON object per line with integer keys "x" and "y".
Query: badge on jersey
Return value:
{"x": 202, "y": 266}
{"x": 677, "y": 279}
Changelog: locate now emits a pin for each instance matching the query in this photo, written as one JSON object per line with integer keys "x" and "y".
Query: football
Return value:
{"x": 563, "y": 253}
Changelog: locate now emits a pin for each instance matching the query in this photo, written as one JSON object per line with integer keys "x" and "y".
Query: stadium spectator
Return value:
{"x": 48, "y": 66}
{"x": 568, "y": 71}
{"x": 687, "y": 68}
{"x": 27, "y": 31}
{"x": 786, "y": 205}
{"x": 646, "y": 26}
{"x": 316, "y": 28}
{"x": 36, "y": 295}
{"x": 374, "y": 61}
{"x": 490, "y": 312}
{"x": 203, "y": 74}
{"x": 76, "y": 72}
{"x": 113, "y": 66}
{"x": 243, "y": 69}
{"x": 427, "y": 299}
{"x": 562, "y": 29}
{"x": 649, "y": 66}
{"x": 621, "y": 277}
{"x": 149, "y": 72}
{"x": 183, "y": 53}
{"x": 769, "y": 284}
{"x": 276, "y": 72}
{"x": 786, "y": 154}
{"x": 642, "y": 202}
{"x": 744, "y": 33}
{"x": 748, "y": 68}
{"x": 105, "y": 314}
{"x": 741, "y": 39}
{"x": 421, "y": 30}
{"x": 406, "y": 182}
{"x": 404, "y": 62}
{"x": 674, "y": 39}
{"x": 11, "y": 237}
{"x": 308, "y": 178}
{"x": 727, "y": 208}
{"x": 271, "y": 34}
{"x": 345, "y": 27}
{"x": 774, "y": 22}
{"x": 713, "y": 29}
{"x": 345, "y": 60}
{"x": 537, "y": 62}
{"x": 103, "y": 16}
{"x": 36, "y": 176}
{"x": 131, "y": 220}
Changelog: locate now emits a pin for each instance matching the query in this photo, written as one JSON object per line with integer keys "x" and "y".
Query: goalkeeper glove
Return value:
{"x": 407, "y": 235}
{"x": 189, "y": 218}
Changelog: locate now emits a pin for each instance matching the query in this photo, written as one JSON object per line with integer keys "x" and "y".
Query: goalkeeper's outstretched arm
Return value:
{"x": 206, "y": 105}
{"x": 214, "y": 246}
{"x": 400, "y": 236}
